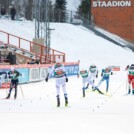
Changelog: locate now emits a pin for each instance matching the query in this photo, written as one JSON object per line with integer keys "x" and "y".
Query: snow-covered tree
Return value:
{"x": 60, "y": 10}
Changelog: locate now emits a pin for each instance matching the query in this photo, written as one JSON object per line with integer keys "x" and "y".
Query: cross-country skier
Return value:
{"x": 61, "y": 79}
{"x": 105, "y": 76}
{"x": 2, "y": 75}
{"x": 13, "y": 75}
{"x": 130, "y": 70}
{"x": 86, "y": 79}
{"x": 93, "y": 73}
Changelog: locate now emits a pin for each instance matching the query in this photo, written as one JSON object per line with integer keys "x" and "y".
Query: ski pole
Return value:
{"x": 126, "y": 86}
{"x": 21, "y": 91}
{"x": 6, "y": 85}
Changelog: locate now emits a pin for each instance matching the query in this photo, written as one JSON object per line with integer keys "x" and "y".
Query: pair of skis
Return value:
{"x": 96, "y": 91}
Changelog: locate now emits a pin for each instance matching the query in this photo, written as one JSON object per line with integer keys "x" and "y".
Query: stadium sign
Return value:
{"x": 112, "y": 3}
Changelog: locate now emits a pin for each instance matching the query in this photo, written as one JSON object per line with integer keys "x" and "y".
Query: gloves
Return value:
{"x": 127, "y": 67}
{"x": 10, "y": 77}
{"x": 66, "y": 79}
{"x": 46, "y": 79}
{"x": 97, "y": 76}
{"x": 101, "y": 74}
{"x": 111, "y": 73}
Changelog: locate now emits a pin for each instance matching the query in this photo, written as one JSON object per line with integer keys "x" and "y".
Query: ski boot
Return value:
{"x": 58, "y": 101}
{"x": 129, "y": 91}
{"x": 83, "y": 93}
{"x": 15, "y": 96}
{"x": 66, "y": 100}
{"x": 8, "y": 96}
{"x": 133, "y": 91}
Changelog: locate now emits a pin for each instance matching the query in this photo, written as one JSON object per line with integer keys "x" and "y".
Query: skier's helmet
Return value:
{"x": 12, "y": 68}
{"x": 93, "y": 66}
{"x": 58, "y": 61}
{"x": 131, "y": 67}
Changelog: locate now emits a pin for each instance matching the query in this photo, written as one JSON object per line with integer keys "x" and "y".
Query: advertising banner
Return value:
{"x": 43, "y": 73}
{"x": 34, "y": 74}
{"x": 31, "y": 73}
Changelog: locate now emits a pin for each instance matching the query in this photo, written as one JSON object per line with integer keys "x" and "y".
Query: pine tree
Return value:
{"x": 85, "y": 9}
{"x": 60, "y": 11}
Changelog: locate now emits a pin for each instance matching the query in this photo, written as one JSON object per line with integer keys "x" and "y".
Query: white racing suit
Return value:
{"x": 61, "y": 79}
{"x": 86, "y": 79}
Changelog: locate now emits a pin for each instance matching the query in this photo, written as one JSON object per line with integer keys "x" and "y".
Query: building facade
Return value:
{"x": 115, "y": 16}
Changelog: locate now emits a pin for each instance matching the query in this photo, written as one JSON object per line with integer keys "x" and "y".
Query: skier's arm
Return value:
{"x": 127, "y": 67}
{"x": 66, "y": 77}
{"x": 102, "y": 72}
{"x": 9, "y": 75}
{"x": 49, "y": 74}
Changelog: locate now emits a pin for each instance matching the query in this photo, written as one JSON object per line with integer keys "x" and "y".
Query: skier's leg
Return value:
{"x": 133, "y": 86}
{"x": 84, "y": 83}
{"x": 64, "y": 91}
{"x": 100, "y": 82}
{"x": 58, "y": 92}
{"x": 107, "y": 84}
{"x": 10, "y": 90}
{"x": 58, "y": 100}
{"x": 66, "y": 99}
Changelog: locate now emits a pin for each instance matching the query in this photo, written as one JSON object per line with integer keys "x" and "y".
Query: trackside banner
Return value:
{"x": 33, "y": 73}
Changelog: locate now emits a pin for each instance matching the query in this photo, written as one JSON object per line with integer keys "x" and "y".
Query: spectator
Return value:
{"x": 31, "y": 62}
{"x": 3, "y": 11}
{"x": 9, "y": 56}
{"x": 37, "y": 61}
{"x": 13, "y": 13}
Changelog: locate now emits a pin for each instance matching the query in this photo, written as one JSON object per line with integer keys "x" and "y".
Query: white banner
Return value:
{"x": 112, "y": 3}
{"x": 34, "y": 74}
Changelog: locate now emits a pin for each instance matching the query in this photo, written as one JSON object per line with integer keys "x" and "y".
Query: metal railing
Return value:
{"x": 26, "y": 47}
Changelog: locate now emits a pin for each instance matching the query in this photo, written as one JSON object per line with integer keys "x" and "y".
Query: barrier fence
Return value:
{"x": 34, "y": 73}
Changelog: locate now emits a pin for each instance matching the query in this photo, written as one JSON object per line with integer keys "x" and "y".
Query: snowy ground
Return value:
{"x": 97, "y": 114}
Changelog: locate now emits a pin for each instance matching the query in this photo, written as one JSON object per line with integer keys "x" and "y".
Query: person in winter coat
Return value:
{"x": 130, "y": 69}
{"x": 3, "y": 11}
{"x": 61, "y": 79}
{"x": 13, "y": 13}
{"x": 13, "y": 75}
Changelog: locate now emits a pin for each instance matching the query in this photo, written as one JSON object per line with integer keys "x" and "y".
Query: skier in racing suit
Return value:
{"x": 86, "y": 79}
{"x": 61, "y": 79}
{"x": 105, "y": 74}
{"x": 130, "y": 70}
